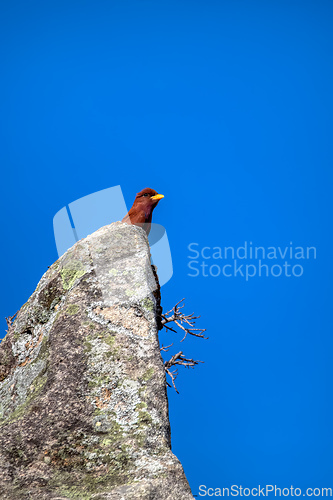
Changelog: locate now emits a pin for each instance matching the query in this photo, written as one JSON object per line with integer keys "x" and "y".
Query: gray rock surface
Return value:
{"x": 83, "y": 403}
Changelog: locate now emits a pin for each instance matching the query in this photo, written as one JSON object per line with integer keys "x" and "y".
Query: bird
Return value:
{"x": 142, "y": 209}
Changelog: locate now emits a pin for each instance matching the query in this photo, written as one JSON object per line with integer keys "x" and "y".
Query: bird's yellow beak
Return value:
{"x": 157, "y": 197}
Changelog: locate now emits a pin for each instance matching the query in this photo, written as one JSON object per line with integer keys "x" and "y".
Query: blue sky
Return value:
{"x": 225, "y": 108}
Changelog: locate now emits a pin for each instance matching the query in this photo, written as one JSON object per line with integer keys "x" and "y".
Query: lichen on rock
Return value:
{"x": 83, "y": 404}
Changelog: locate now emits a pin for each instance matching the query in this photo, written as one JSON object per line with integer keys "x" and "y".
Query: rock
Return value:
{"x": 83, "y": 403}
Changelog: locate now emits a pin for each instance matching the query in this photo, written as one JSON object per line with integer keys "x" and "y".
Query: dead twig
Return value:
{"x": 185, "y": 322}
{"x": 178, "y": 359}
{"x": 10, "y": 320}
{"x": 166, "y": 348}
{"x": 173, "y": 376}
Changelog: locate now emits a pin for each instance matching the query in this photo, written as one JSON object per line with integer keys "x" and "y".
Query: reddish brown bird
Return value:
{"x": 142, "y": 210}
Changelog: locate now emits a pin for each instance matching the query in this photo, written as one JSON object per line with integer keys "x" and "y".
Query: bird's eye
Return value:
{"x": 145, "y": 194}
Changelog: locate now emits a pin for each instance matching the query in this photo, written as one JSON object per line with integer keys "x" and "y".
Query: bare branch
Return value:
{"x": 185, "y": 322}
{"x": 171, "y": 310}
{"x": 168, "y": 328}
{"x": 178, "y": 359}
{"x": 166, "y": 348}
{"x": 10, "y": 319}
{"x": 173, "y": 376}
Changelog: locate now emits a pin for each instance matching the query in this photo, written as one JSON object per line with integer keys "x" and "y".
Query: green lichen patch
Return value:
{"x": 115, "y": 435}
{"x": 87, "y": 346}
{"x": 106, "y": 442}
{"x": 148, "y": 304}
{"x": 148, "y": 374}
{"x": 17, "y": 335}
{"x": 141, "y": 406}
{"x": 108, "y": 338}
{"x": 71, "y": 272}
{"x": 74, "y": 492}
{"x": 72, "y": 309}
{"x": 144, "y": 418}
{"x": 141, "y": 438}
{"x": 99, "y": 381}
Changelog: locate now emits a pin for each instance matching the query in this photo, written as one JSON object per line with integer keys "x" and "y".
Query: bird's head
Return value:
{"x": 148, "y": 198}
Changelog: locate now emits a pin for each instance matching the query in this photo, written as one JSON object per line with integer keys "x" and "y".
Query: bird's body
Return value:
{"x": 141, "y": 212}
